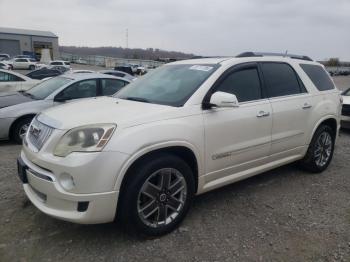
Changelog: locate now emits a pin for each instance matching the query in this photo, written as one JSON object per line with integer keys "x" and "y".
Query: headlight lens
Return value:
{"x": 91, "y": 138}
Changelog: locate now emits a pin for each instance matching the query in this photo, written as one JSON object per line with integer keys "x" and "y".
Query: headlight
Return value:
{"x": 91, "y": 138}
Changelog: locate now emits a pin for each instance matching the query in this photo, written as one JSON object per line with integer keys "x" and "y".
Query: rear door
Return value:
{"x": 291, "y": 107}
{"x": 82, "y": 89}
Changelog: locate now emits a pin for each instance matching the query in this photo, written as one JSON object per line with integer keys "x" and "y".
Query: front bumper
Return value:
{"x": 44, "y": 188}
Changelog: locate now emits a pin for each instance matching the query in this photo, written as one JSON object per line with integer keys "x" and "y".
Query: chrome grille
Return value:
{"x": 38, "y": 133}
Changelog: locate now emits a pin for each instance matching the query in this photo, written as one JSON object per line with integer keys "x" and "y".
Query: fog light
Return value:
{"x": 66, "y": 181}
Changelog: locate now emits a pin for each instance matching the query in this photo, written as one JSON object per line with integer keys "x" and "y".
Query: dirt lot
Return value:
{"x": 282, "y": 215}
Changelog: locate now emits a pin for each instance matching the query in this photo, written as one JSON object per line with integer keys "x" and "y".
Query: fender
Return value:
{"x": 149, "y": 148}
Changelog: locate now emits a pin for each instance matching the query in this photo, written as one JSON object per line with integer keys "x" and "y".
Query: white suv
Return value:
{"x": 184, "y": 129}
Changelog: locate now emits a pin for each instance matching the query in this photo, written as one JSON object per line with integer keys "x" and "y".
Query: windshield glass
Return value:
{"x": 169, "y": 85}
{"x": 346, "y": 92}
{"x": 46, "y": 88}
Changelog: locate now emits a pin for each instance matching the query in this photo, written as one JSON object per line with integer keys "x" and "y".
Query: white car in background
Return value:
{"x": 60, "y": 63}
{"x": 17, "y": 109}
{"x": 345, "y": 114}
{"x": 5, "y": 65}
{"x": 12, "y": 81}
{"x": 23, "y": 63}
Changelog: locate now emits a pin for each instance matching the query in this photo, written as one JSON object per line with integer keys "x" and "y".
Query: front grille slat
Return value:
{"x": 38, "y": 133}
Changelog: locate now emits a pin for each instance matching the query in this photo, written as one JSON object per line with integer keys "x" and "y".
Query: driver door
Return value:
{"x": 82, "y": 89}
{"x": 237, "y": 139}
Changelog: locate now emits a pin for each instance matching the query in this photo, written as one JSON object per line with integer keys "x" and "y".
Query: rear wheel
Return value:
{"x": 20, "y": 129}
{"x": 320, "y": 151}
{"x": 158, "y": 196}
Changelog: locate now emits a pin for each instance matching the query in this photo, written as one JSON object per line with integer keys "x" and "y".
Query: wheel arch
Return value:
{"x": 183, "y": 150}
{"x": 330, "y": 121}
{"x": 19, "y": 119}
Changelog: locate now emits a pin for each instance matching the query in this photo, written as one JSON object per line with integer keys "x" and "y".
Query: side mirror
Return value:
{"x": 223, "y": 99}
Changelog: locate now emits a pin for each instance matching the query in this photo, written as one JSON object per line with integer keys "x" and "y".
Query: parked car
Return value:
{"x": 43, "y": 73}
{"x": 118, "y": 74}
{"x": 4, "y": 65}
{"x": 11, "y": 81}
{"x": 81, "y": 61}
{"x": 23, "y": 63}
{"x": 61, "y": 63}
{"x": 345, "y": 114}
{"x": 82, "y": 71}
{"x": 4, "y": 57}
{"x": 23, "y": 56}
{"x": 141, "y": 70}
{"x": 187, "y": 128}
{"x": 125, "y": 68}
{"x": 17, "y": 109}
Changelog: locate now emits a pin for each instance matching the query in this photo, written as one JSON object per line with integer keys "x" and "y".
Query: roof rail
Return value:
{"x": 261, "y": 54}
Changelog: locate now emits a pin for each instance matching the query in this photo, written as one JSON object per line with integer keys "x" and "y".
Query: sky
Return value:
{"x": 317, "y": 28}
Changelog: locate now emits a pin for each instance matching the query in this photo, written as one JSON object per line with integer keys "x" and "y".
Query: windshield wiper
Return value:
{"x": 138, "y": 99}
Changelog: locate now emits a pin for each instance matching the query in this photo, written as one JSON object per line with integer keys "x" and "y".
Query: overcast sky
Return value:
{"x": 318, "y": 28}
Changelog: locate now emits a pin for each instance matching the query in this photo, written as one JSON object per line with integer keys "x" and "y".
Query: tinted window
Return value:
{"x": 56, "y": 63}
{"x": 280, "y": 79}
{"x": 82, "y": 89}
{"x": 5, "y": 77}
{"x": 111, "y": 86}
{"x": 318, "y": 76}
{"x": 244, "y": 84}
{"x": 21, "y": 60}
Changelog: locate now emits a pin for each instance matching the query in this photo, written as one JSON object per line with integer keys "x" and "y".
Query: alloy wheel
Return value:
{"x": 323, "y": 149}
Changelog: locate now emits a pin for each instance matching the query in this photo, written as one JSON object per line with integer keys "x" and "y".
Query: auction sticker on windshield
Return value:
{"x": 201, "y": 68}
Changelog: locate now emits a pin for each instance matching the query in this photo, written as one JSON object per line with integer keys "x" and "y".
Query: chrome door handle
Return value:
{"x": 263, "y": 114}
{"x": 307, "y": 106}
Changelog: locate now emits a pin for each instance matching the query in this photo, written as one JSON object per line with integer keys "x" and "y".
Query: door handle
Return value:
{"x": 307, "y": 106}
{"x": 263, "y": 114}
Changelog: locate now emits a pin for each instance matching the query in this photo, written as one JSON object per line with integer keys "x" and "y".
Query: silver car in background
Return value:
{"x": 17, "y": 109}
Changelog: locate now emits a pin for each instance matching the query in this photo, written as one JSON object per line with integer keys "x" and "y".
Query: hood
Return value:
{"x": 124, "y": 113}
{"x": 13, "y": 98}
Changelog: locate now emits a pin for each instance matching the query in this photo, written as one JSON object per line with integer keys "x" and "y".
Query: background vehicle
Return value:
{"x": 11, "y": 81}
{"x": 4, "y": 65}
{"x": 43, "y": 73}
{"x": 4, "y": 57}
{"x": 60, "y": 63}
{"x": 118, "y": 74}
{"x": 345, "y": 115}
{"x": 125, "y": 68}
{"x": 17, "y": 109}
{"x": 23, "y": 63}
{"x": 187, "y": 128}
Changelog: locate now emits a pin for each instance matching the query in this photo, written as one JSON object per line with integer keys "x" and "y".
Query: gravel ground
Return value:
{"x": 282, "y": 215}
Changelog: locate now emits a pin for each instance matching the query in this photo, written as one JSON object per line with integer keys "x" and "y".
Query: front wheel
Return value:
{"x": 20, "y": 129}
{"x": 157, "y": 195}
{"x": 31, "y": 67}
{"x": 320, "y": 151}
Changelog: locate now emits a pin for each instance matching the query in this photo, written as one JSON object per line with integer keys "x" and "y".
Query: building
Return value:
{"x": 15, "y": 41}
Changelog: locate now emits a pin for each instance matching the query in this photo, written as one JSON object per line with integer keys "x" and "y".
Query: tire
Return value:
{"x": 31, "y": 67}
{"x": 323, "y": 140}
{"x": 19, "y": 129}
{"x": 138, "y": 198}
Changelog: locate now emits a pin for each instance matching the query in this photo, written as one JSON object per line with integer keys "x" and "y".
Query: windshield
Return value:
{"x": 46, "y": 88}
{"x": 169, "y": 85}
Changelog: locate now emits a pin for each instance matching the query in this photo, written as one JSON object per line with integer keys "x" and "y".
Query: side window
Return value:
{"x": 56, "y": 63}
{"x": 5, "y": 77}
{"x": 245, "y": 84}
{"x": 82, "y": 89}
{"x": 21, "y": 60}
{"x": 111, "y": 86}
{"x": 280, "y": 79}
{"x": 318, "y": 76}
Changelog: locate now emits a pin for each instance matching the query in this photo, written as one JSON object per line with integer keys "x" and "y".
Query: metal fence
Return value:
{"x": 108, "y": 62}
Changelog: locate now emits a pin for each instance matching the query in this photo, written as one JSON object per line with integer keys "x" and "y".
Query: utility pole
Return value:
{"x": 127, "y": 38}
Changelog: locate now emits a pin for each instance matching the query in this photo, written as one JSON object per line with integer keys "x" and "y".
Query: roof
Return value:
{"x": 17, "y": 31}
{"x": 83, "y": 76}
